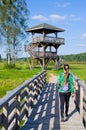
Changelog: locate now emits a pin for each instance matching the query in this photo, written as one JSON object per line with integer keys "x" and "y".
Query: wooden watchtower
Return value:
{"x": 44, "y": 44}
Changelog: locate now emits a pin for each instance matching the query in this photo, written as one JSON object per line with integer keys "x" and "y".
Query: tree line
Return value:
{"x": 13, "y": 21}
{"x": 74, "y": 57}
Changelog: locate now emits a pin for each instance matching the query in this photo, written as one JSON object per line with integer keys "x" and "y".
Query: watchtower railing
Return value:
{"x": 46, "y": 54}
{"x": 17, "y": 104}
{"x": 80, "y": 98}
{"x": 48, "y": 39}
{"x": 36, "y": 54}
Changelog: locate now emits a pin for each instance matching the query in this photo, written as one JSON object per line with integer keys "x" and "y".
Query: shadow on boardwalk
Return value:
{"x": 45, "y": 114}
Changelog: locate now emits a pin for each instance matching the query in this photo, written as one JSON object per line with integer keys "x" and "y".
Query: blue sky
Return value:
{"x": 69, "y": 15}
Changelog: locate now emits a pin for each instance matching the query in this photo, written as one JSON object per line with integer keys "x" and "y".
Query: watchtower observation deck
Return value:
{"x": 44, "y": 43}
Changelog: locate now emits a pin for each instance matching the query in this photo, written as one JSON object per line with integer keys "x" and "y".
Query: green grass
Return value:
{"x": 11, "y": 78}
{"x": 78, "y": 70}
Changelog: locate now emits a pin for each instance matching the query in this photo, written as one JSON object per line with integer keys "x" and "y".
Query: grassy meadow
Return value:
{"x": 78, "y": 69}
{"x": 11, "y": 78}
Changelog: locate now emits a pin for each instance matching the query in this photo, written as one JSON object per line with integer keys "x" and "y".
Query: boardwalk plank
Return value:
{"x": 45, "y": 114}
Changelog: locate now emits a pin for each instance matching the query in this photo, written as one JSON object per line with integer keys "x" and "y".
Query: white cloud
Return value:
{"x": 56, "y": 17}
{"x": 82, "y": 45}
{"x": 83, "y": 36}
{"x": 73, "y": 17}
{"x": 39, "y": 17}
{"x": 52, "y": 17}
{"x": 63, "y": 5}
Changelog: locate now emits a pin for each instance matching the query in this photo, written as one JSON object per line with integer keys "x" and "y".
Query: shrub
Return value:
{"x": 9, "y": 66}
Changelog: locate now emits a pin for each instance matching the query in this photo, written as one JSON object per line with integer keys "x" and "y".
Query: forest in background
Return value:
{"x": 74, "y": 57}
{"x": 67, "y": 58}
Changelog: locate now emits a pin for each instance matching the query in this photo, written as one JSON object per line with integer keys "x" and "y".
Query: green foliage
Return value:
{"x": 74, "y": 57}
{"x": 78, "y": 70}
{"x": 13, "y": 17}
{"x": 9, "y": 66}
{"x": 11, "y": 78}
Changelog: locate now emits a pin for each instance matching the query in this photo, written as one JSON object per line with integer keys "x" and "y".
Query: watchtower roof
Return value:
{"x": 47, "y": 28}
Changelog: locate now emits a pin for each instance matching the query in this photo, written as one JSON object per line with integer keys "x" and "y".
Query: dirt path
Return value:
{"x": 52, "y": 78}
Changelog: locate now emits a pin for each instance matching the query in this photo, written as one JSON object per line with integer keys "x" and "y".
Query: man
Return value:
{"x": 65, "y": 84}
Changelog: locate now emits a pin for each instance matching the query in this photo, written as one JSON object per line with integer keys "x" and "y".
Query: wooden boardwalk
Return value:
{"x": 46, "y": 113}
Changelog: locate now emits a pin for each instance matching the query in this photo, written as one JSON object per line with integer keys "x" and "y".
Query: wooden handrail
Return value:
{"x": 80, "y": 98}
{"x": 17, "y": 104}
{"x": 55, "y": 40}
{"x": 46, "y": 54}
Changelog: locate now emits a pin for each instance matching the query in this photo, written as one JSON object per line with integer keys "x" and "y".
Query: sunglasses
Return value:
{"x": 65, "y": 69}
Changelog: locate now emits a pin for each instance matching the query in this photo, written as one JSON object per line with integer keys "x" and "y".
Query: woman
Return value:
{"x": 65, "y": 84}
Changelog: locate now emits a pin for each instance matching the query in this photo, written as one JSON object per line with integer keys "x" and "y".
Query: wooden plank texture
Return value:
{"x": 46, "y": 113}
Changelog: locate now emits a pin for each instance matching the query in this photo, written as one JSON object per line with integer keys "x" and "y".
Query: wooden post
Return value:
{"x": 81, "y": 101}
{"x": 32, "y": 37}
{"x": 17, "y": 98}
{"x": 5, "y": 117}
{"x": 43, "y": 58}
{"x": 27, "y": 102}
{"x": 76, "y": 94}
{"x": 56, "y": 34}
{"x": 50, "y": 49}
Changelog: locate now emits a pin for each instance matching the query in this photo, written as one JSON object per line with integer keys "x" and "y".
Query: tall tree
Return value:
{"x": 13, "y": 18}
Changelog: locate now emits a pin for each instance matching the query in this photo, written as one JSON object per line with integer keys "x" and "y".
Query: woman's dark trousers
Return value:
{"x": 64, "y": 101}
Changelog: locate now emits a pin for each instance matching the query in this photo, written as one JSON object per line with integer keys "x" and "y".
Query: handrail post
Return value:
{"x": 27, "y": 101}
{"x": 81, "y": 102}
{"x": 76, "y": 94}
{"x": 5, "y": 117}
{"x": 17, "y": 98}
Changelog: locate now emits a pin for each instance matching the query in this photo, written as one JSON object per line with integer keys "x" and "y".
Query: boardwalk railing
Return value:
{"x": 80, "y": 98}
{"x": 17, "y": 104}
